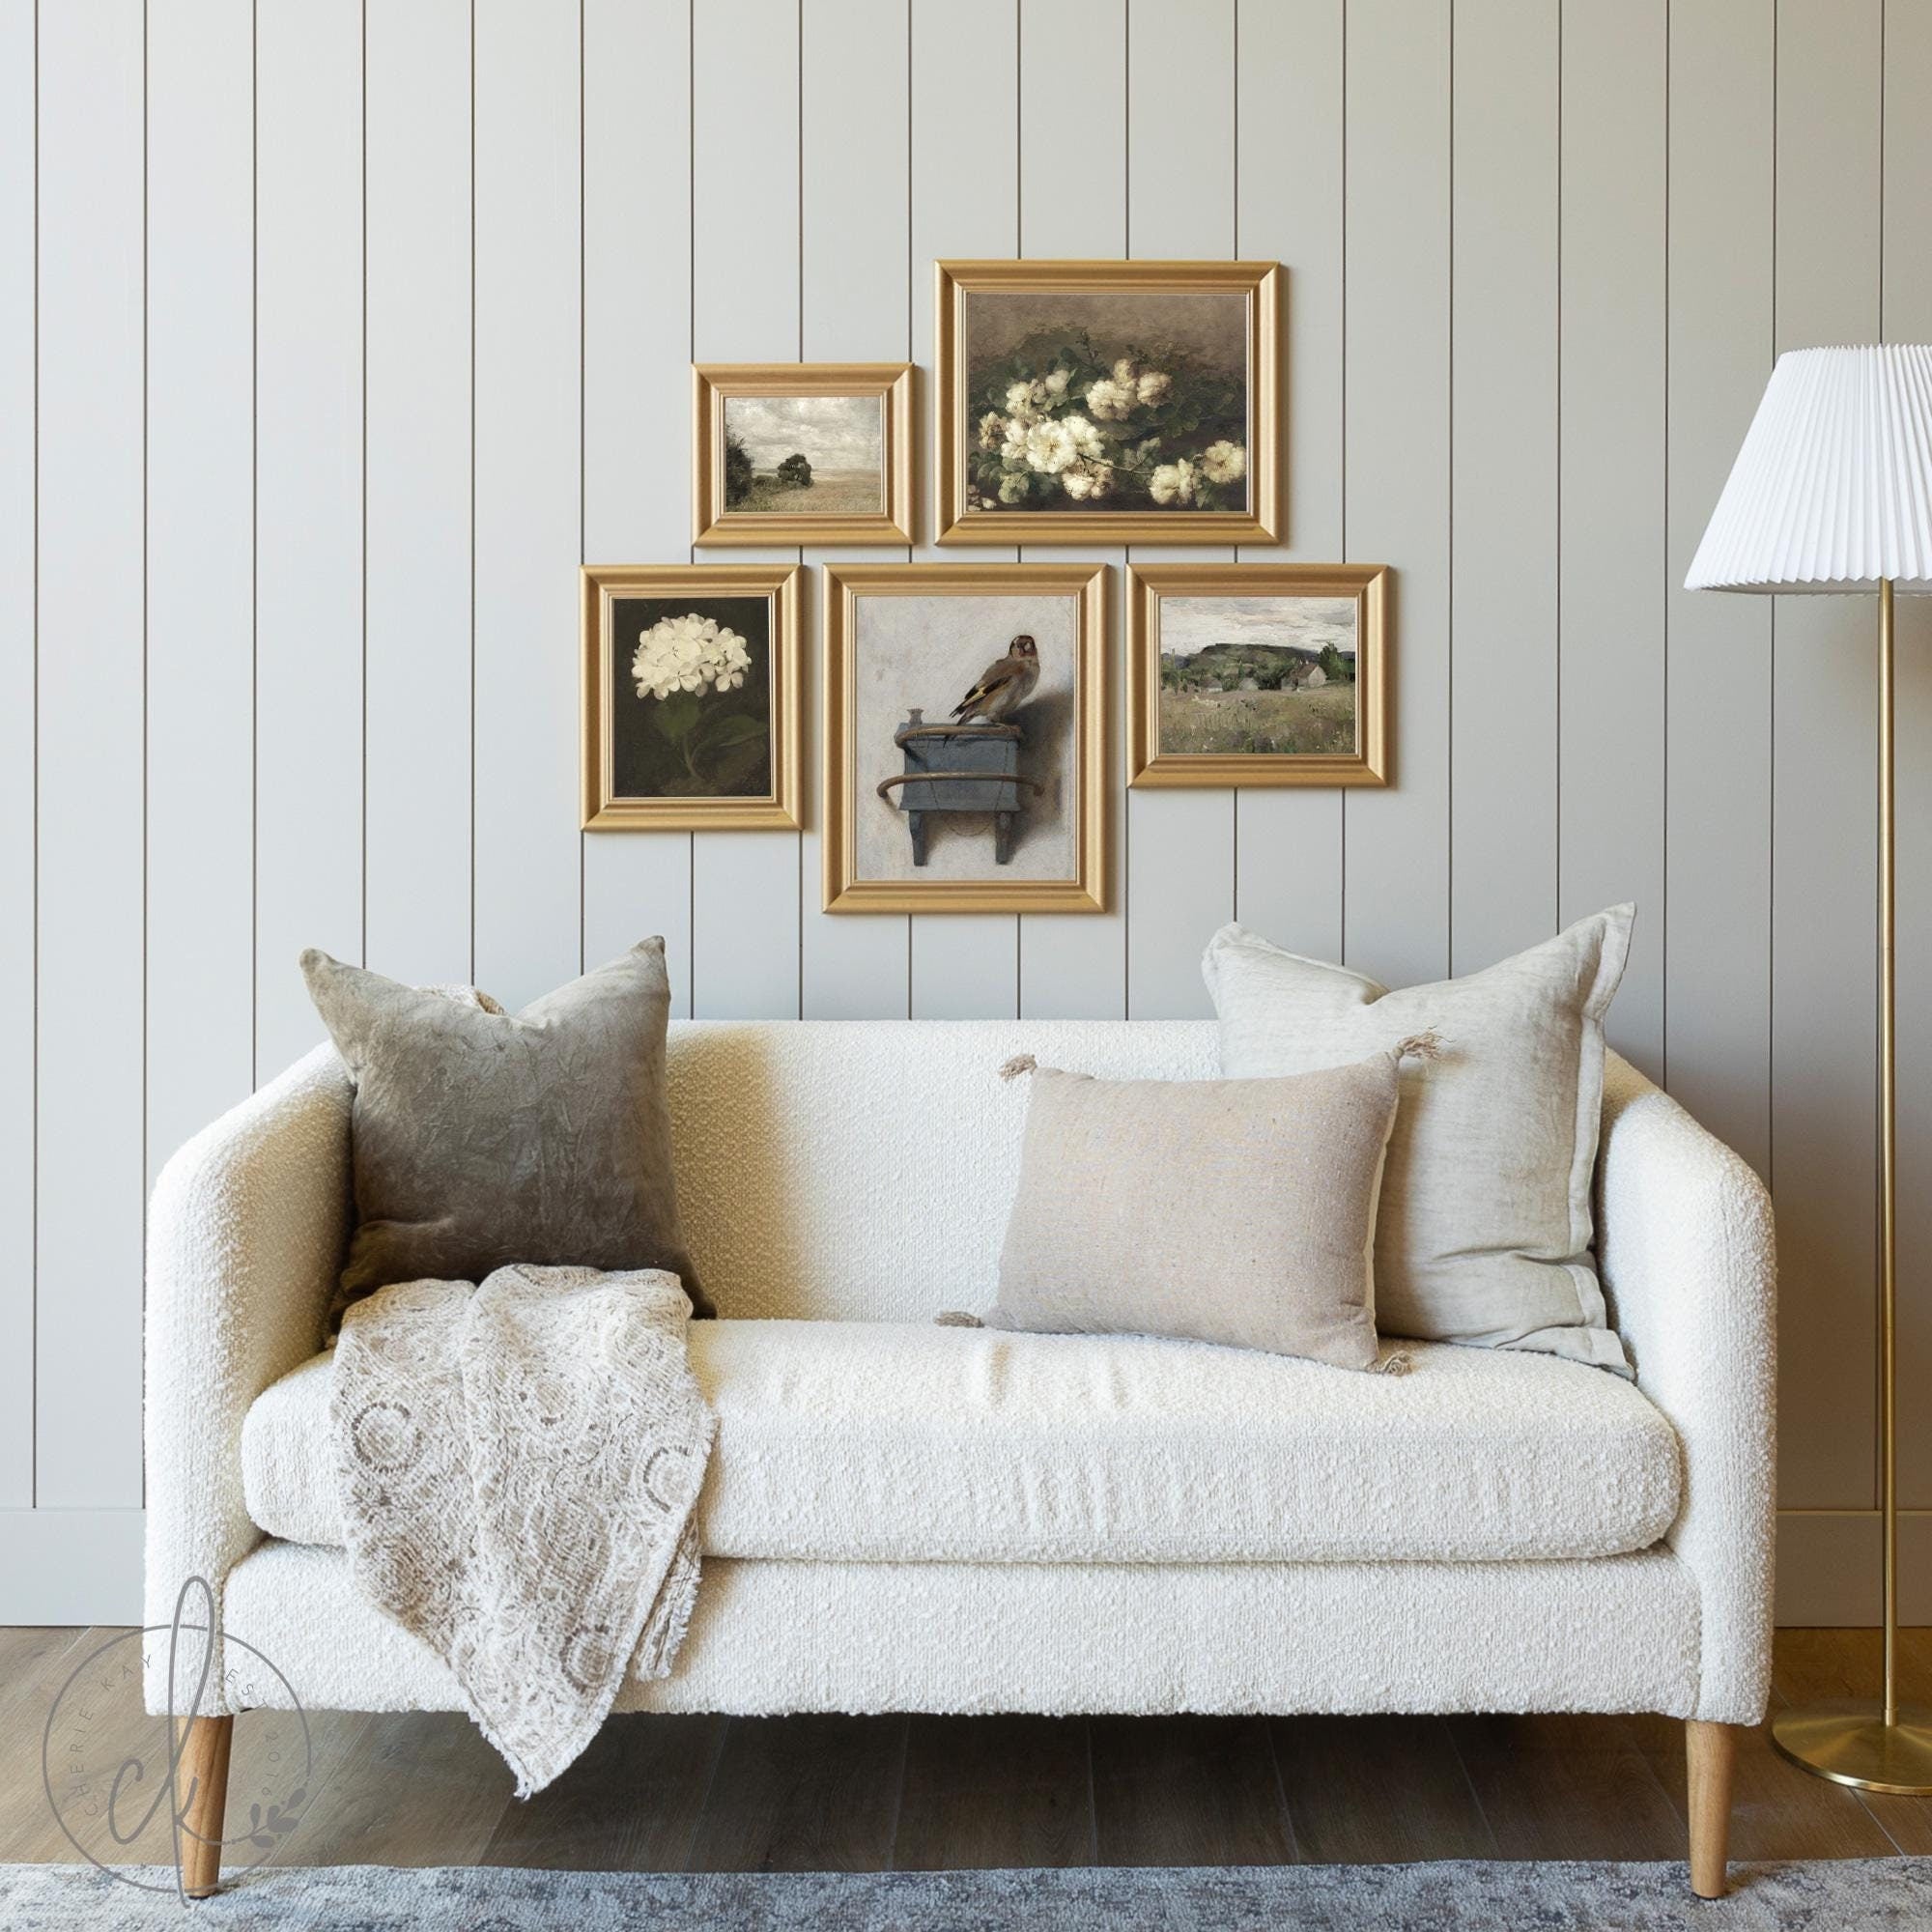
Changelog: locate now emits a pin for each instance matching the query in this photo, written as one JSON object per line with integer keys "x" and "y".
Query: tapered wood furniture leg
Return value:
{"x": 1712, "y": 1753}
{"x": 201, "y": 1793}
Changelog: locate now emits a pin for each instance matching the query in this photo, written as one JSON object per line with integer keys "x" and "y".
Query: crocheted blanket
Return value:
{"x": 518, "y": 1464}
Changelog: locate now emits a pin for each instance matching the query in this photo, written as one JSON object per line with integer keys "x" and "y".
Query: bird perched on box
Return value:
{"x": 1003, "y": 687}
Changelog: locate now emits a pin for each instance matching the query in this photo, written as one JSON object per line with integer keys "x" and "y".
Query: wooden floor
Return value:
{"x": 834, "y": 1793}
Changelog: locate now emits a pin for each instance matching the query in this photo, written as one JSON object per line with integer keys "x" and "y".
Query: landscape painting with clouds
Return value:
{"x": 1260, "y": 675}
{"x": 805, "y": 455}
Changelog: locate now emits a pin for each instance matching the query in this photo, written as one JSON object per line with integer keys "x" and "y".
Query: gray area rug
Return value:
{"x": 1853, "y": 1896}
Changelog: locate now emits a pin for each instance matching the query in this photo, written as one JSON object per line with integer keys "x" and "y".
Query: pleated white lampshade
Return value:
{"x": 1832, "y": 489}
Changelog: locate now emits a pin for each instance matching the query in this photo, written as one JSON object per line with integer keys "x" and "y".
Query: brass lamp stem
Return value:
{"x": 1879, "y": 1745}
{"x": 1888, "y": 1132}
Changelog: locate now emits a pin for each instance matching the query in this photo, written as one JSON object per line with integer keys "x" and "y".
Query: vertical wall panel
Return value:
{"x": 636, "y": 507}
{"x": 1824, "y": 871}
{"x": 1906, "y": 316}
{"x": 746, "y": 290}
{"x": 1718, "y": 775}
{"x": 308, "y": 510}
{"x": 1180, "y": 844}
{"x": 1074, "y": 201}
{"x": 418, "y": 454}
{"x": 200, "y": 562}
{"x": 1610, "y": 755}
{"x": 1399, "y": 466}
{"x": 16, "y": 754}
{"x": 856, "y": 307}
{"x": 1503, "y": 222}
{"x": 92, "y": 611}
{"x": 529, "y": 321}
{"x": 964, "y": 967}
{"x": 1288, "y": 842}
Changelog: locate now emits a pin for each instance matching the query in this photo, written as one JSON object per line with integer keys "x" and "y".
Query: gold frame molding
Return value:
{"x": 1367, "y": 583}
{"x": 845, "y": 583}
{"x": 778, "y": 810}
{"x": 713, "y": 383}
{"x": 1260, "y": 522}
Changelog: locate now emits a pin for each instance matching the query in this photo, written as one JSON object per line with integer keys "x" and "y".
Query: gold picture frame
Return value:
{"x": 1123, "y": 448}
{"x": 1266, "y": 645}
{"x": 879, "y": 754}
{"x": 765, "y": 388}
{"x": 650, "y": 741}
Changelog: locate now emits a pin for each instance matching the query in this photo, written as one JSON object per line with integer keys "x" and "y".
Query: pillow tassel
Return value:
{"x": 1426, "y": 1046}
{"x": 1020, "y": 1063}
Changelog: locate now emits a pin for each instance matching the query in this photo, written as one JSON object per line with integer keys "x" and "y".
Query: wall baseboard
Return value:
{"x": 70, "y": 1566}
{"x": 84, "y": 1566}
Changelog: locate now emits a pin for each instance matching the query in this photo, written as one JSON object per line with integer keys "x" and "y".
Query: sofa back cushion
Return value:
{"x": 864, "y": 1170}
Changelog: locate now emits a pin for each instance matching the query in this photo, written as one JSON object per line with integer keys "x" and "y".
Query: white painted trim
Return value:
{"x": 70, "y": 1566}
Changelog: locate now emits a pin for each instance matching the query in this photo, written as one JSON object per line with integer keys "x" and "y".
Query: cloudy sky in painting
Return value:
{"x": 831, "y": 432}
{"x": 1190, "y": 624}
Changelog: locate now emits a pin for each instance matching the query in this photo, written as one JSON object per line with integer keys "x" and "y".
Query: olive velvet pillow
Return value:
{"x": 1241, "y": 1212}
{"x": 482, "y": 1138}
{"x": 1486, "y": 1226}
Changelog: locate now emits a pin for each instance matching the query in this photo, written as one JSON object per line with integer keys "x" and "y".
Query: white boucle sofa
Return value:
{"x": 907, "y": 1517}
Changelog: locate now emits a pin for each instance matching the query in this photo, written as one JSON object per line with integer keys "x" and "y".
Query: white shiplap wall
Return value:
{"x": 334, "y": 336}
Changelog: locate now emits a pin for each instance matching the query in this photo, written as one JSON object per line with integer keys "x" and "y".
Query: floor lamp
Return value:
{"x": 1831, "y": 493}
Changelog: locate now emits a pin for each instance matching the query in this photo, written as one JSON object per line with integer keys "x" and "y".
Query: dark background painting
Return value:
{"x": 706, "y": 744}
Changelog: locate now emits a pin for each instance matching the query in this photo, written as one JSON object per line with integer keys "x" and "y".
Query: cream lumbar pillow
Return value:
{"x": 1241, "y": 1212}
{"x": 1484, "y": 1233}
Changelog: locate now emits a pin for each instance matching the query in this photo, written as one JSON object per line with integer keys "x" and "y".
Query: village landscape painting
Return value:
{"x": 1257, "y": 675}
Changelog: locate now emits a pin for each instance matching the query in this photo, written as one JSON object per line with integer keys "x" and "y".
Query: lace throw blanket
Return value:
{"x": 517, "y": 1466}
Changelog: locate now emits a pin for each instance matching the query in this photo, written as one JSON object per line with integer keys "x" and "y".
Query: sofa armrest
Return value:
{"x": 246, "y": 1235}
{"x": 1685, "y": 1241}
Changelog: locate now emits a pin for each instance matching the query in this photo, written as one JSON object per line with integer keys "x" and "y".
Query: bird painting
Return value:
{"x": 1003, "y": 687}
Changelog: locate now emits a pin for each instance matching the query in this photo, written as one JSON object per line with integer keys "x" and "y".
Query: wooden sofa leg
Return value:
{"x": 1712, "y": 1753}
{"x": 201, "y": 1795}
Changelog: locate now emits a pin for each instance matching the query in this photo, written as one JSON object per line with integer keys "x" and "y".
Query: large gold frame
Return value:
{"x": 845, "y": 583}
{"x": 712, "y": 383}
{"x": 1366, "y": 582}
{"x": 778, "y": 810}
{"x": 1260, "y": 522}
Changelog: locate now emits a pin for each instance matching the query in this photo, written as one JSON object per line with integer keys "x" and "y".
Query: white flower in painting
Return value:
{"x": 1026, "y": 400}
{"x": 1154, "y": 385}
{"x": 1125, "y": 372}
{"x": 1056, "y": 383}
{"x": 1224, "y": 461}
{"x": 1109, "y": 400}
{"x": 1087, "y": 483}
{"x": 992, "y": 430}
{"x": 1050, "y": 446}
{"x": 688, "y": 653}
{"x": 1172, "y": 483}
{"x": 1013, "y": 450}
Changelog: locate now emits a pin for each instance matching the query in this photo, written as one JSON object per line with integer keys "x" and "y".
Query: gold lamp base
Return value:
{"x": 1852, "y": 1743}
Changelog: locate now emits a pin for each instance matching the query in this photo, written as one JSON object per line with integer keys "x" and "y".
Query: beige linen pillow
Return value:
{"x": 483, "y": 1138}
{"x": 1484, "y": 1233}
{"x": 1225, "y": 1210}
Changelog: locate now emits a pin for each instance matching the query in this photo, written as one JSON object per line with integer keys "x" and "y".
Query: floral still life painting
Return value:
{"x": 1257, "y": 675}
{"x": 1144, "y": 407}
{"x": 689, "y": 696}
{"x": 802, "y": 452}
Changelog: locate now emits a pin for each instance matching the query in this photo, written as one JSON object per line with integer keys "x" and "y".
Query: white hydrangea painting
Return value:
{"x": 691, "y": 716}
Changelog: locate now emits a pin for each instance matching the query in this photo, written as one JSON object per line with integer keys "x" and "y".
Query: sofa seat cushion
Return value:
{"x": 882, "y": 1442}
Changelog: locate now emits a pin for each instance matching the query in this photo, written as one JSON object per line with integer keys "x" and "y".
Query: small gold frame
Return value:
{"x": 1367, "y": 583}
{"x": 1259, "y": 522}
{"x": 845, "y": 583}
{"x": 712, "y": 383}
{"x": 777, "y": 809}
